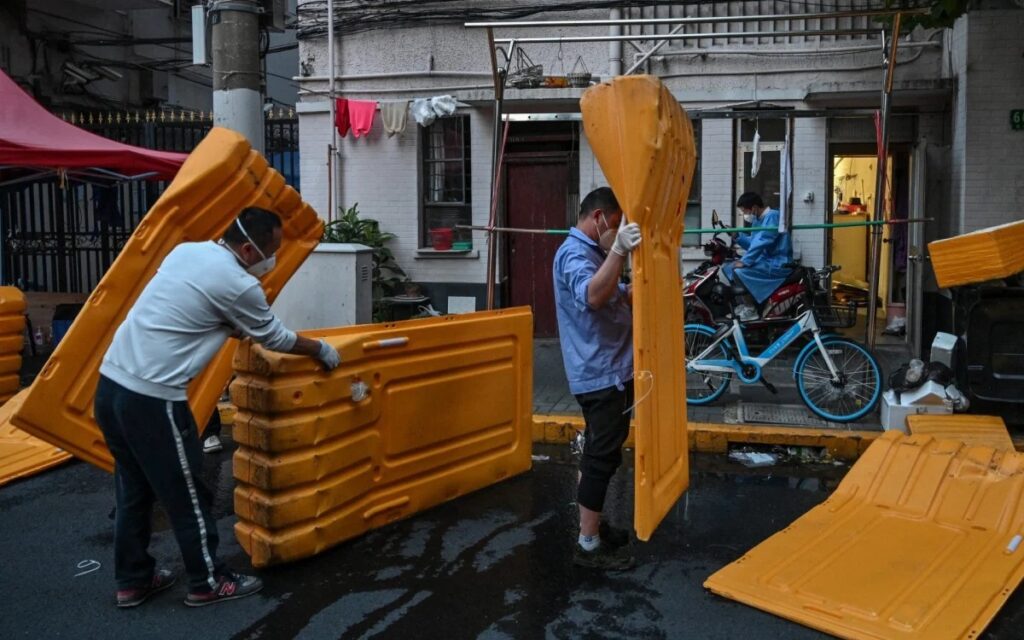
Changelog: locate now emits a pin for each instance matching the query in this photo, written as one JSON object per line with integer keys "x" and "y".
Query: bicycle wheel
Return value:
{"x": 703, "y": 387}
{"x": 853, "y": 395}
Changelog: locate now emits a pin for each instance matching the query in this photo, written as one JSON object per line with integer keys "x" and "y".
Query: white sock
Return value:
{"x": 589, "y": 543}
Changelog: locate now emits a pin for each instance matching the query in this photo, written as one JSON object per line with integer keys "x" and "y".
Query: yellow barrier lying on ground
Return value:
{"x": 922, "y": 539}
{"x": 419, "y": 412}
{"x": 644, "y": 142}
{"x": 986, "y": 254}
{"x": 974, "y": 431}
{"x": 21, "y": 455}
{"x": 221, "y": 176}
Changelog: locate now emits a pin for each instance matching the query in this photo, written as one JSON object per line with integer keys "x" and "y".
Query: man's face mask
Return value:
{"x": 606, "y": 238}
{"x": 748, "y": 216}
{"x": 264, "y": 266}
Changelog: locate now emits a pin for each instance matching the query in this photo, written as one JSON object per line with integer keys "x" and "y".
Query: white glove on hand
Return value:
{"x": 328, "y": 356}
{"x": 627, "y": 239}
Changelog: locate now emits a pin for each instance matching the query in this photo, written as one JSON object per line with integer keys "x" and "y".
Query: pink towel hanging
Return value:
{"x": 360, "y": 115}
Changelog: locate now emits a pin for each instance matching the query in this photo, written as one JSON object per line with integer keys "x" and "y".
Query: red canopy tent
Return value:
{"x": 33, "y": 138}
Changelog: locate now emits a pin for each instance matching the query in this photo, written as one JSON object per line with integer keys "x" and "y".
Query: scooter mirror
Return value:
{"x": 715, "y": 221}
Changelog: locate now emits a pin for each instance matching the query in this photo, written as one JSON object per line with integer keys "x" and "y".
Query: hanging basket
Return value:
{"x": 580, "y": 76}
{"x": 526, "y": 75}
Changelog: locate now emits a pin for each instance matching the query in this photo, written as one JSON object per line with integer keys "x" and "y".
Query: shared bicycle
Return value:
{"x": 838, "y": 379}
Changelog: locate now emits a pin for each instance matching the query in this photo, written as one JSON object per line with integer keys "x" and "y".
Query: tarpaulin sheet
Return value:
{"x": 31, "y": 136}
{"x": 22, "y": 455}
{"x": 644, "y": 142}
{"x": 922, "y": 539}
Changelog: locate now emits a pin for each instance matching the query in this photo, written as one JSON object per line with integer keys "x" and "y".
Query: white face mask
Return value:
{"x": 748, "y": 217}
{"x": 264, "y": 266}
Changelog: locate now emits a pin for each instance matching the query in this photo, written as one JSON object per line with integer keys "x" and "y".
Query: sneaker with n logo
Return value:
{"x": 128, "y": 598}
{"x": 231, "y": 586}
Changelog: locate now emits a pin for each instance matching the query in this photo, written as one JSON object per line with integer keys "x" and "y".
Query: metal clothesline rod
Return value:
{"x": 796, "y": 227}
{"x": 527, "y": 24}
{"x": 693, "y": 36}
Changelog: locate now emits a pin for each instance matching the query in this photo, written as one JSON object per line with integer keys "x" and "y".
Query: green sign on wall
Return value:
{"x": 1017, "y": 119}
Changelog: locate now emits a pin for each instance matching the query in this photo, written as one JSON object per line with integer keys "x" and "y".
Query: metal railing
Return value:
{"x": 62, "y": 235}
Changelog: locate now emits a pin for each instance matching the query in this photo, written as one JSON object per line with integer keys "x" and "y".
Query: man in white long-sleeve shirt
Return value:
{"x": 202, "y": 294}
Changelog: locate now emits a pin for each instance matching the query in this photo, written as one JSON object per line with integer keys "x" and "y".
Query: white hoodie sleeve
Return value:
{"x": 252, "y": 316}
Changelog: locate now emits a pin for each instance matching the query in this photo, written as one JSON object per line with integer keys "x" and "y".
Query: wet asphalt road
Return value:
{"x": 494, "y": 564}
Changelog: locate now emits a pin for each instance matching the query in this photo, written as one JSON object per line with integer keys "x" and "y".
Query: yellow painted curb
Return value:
{"x": 709, "y": 437}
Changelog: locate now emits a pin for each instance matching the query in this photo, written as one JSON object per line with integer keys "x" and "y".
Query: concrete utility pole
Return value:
{"x": 237, "y": 101}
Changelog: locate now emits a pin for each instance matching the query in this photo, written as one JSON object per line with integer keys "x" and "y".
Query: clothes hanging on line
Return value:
{"x": 426, "y": 110}
{"x": 395, "y": 114}
{"x": 341, "y": 121}
{"x": 360, "y": 116}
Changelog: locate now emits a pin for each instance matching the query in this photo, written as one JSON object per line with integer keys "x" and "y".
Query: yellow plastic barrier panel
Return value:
{"x": 922, "y": 539}
{"x": 986, "y": 254}
{"x": 419, "y": 412}
{"x": 644, "y": 142}
{"x": 974, "y": 431}
{"x": 12, "y": 341}
{"x": 220, "y": 177}
{"x": 21, "y": 455}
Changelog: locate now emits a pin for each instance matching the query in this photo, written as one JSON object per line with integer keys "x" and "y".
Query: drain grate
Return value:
{"x": 795, "y": 415}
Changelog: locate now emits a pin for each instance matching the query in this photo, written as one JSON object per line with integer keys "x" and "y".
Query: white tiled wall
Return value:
{"x": 381, "y": 174}
{"x": 810, "y": 174}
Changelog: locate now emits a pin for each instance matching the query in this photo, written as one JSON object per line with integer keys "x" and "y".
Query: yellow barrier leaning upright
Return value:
{"x": 12, "y": 340}
{"x": 419, "y": 412}
{"x": 986, "y": 254}
{"x": 644, "y": 142}
{"x": 222, "y": 176}
{"x": 922, "y": 539}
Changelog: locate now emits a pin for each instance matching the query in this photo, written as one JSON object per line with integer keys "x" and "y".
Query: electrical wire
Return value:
{"x": 356, "y": 16}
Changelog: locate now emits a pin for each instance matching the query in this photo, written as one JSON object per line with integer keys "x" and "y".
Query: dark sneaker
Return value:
{"x": 128, "y": 598}
{"x": 614, "y": 536}
{"x": 604, "y": 557}
{"x": 231, "y": 586}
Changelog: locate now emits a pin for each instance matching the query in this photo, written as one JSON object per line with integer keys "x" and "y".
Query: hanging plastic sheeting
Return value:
{"x": 922, "y": 539}
{"x": 644, "y": 142}
{"x": 755, "y": 161}
{"x": 786, "y": 186}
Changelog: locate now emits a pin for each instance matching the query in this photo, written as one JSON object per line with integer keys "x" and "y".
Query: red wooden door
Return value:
{"x": 536, "y": 199}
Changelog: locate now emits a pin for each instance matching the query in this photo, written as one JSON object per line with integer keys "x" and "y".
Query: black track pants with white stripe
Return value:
{"x": 157, "y": 457}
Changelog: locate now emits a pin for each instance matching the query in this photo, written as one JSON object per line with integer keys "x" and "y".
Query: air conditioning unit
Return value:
{"x": 274, "y": 14}
{"x": 153, "y": 85}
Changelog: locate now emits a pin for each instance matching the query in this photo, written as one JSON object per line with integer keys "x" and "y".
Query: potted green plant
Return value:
{"x": 388, "y": 277}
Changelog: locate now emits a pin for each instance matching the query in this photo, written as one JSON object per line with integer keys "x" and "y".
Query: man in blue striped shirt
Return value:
{"x": 595, "y": 325}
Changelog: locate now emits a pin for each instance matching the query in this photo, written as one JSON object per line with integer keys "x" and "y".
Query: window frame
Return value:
{"x": 461, "y": 209}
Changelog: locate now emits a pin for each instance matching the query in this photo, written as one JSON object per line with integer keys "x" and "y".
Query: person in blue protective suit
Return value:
{"x": 761, "y": 270}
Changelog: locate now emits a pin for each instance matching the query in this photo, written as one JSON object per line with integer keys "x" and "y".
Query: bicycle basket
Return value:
{"x": 835, "y": 316}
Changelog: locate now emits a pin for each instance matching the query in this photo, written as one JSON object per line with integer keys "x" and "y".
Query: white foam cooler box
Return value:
{"x": 930, "y": 397}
